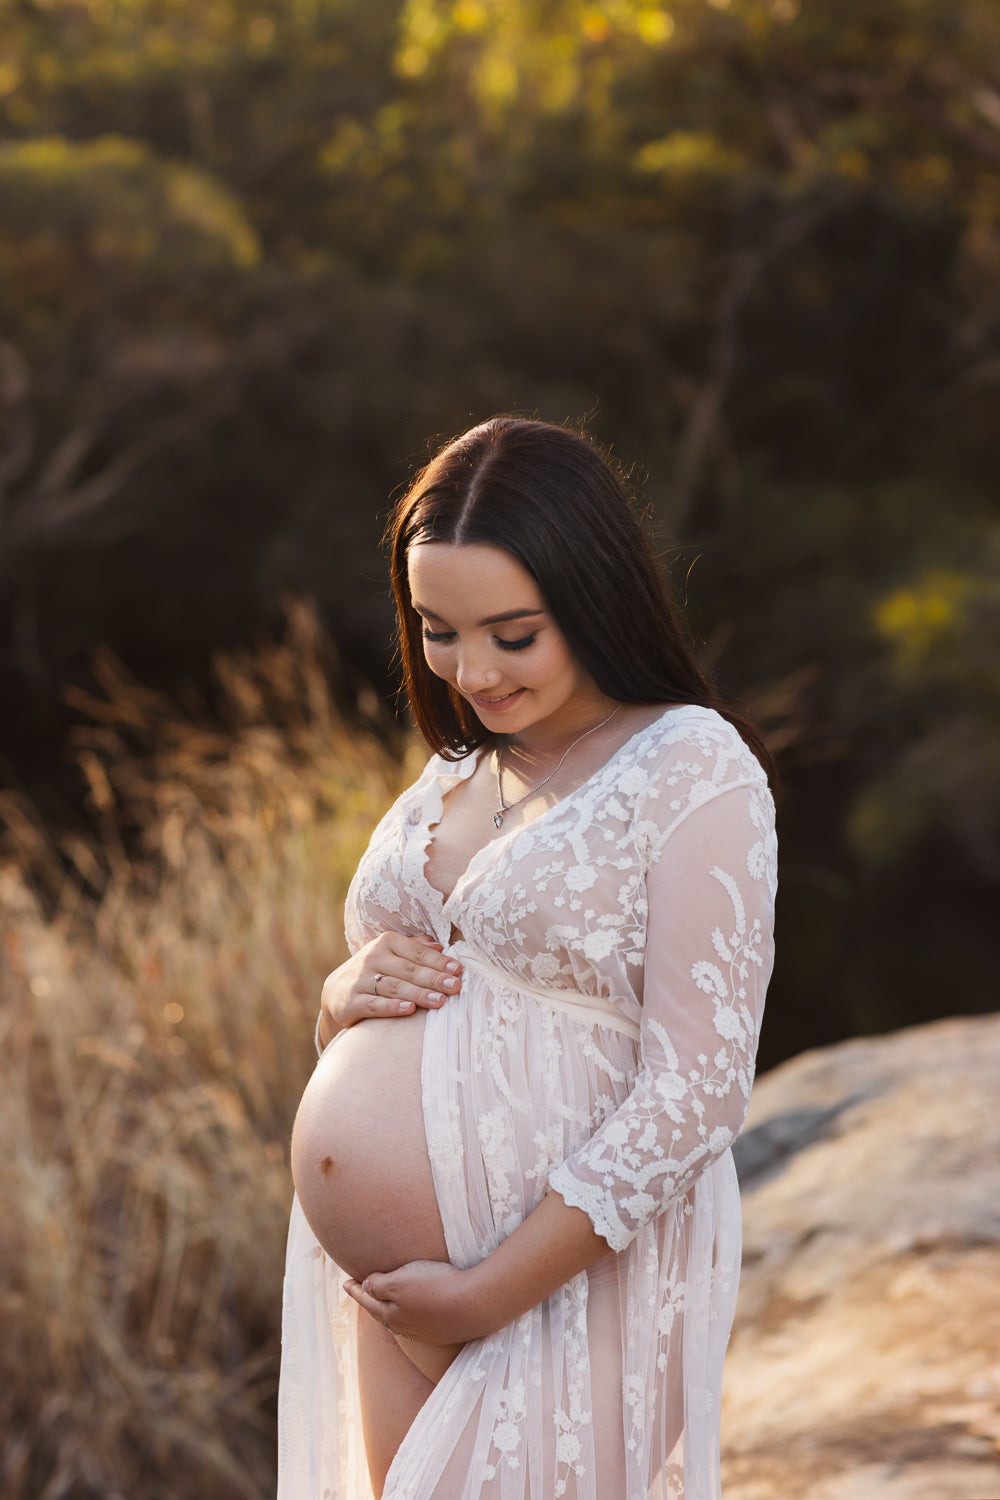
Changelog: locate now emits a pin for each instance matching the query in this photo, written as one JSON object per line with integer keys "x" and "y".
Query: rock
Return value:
{"x": 865, "y": 1358}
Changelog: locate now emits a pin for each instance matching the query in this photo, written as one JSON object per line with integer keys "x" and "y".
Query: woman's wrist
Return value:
{"x": 327, "y": 1028}
{"x": 483, "y": 1306}
{"x": 333, "y": 1007}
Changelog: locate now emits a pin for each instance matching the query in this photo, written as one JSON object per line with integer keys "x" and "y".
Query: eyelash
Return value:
{"x": 439, "y": 637}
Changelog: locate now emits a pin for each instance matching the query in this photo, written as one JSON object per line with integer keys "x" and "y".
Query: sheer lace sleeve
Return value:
{"x": 709, "y": 951}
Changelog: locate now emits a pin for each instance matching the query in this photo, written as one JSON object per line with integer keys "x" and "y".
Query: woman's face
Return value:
{"x": 488, "y": 634}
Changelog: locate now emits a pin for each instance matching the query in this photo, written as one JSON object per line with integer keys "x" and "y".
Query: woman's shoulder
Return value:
{"x": 698, "y": 738}
{"x": 442, "y": 768}
{"x": 690, "y": 756}
{"x": 693, "y": 758}
{"x": 437, "y": 775}
{"x": 431, "y": 775}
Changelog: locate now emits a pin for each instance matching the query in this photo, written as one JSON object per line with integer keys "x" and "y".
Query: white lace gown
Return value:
{"x": 616, "y": 951}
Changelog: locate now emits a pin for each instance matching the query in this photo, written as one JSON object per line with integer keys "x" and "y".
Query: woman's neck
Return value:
{"x": 540, "y": 744}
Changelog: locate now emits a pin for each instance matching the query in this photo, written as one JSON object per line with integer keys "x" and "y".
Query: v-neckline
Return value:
{"x": 428, "y": 826}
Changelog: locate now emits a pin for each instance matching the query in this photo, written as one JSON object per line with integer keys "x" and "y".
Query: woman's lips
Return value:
{"x": 496, "y": 705}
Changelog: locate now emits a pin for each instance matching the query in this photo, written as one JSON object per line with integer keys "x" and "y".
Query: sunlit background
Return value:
{"x": 254, "y": 258}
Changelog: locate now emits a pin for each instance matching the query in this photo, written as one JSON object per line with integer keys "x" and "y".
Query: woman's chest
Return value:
{"x": 560, "y": 897}
{"x": 462, "y": 830}
{"x": 476, "y": 832}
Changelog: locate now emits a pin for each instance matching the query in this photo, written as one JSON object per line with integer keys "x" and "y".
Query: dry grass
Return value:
{"x": 156, "y": 1013}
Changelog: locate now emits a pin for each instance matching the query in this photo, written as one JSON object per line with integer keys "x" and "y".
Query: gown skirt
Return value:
{"x": 609, "y": 1389}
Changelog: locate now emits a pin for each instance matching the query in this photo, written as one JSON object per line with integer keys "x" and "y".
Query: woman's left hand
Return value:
{"x": 426, "y": 1299}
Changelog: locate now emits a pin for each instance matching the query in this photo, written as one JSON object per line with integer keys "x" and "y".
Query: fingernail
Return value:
{"x": 453, "y": 967}
{"x": 435, "y": 996}
{"x": 404, "y": 1005}
{"x": 451, "y": 984}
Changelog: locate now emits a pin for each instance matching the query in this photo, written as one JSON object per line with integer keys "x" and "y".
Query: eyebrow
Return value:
{"x": 510, "y": 614}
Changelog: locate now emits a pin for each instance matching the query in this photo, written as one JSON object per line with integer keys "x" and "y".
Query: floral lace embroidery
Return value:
{"x": 565, "y": 902}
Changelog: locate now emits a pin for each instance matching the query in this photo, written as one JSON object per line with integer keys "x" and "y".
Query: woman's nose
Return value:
{"x": 474, "y": 672}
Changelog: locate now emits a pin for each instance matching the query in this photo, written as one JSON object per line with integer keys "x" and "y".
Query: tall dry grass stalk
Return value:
{"x": 156, "y": 1013}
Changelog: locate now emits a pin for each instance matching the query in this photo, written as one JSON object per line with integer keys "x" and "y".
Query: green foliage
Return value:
{"x": 112, "y": 197}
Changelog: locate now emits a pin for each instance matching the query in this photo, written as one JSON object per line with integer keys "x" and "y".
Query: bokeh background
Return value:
{"x": 255, "y": 259}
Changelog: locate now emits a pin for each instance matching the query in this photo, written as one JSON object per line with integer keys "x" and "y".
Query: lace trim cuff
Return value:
{"x": 598, "y": 1205}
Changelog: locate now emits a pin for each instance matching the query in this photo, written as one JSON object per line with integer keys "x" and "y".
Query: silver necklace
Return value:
{"x": 505, "y": 807}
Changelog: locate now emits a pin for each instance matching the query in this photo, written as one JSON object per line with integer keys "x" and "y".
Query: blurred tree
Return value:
{"x": 252, "y": 255}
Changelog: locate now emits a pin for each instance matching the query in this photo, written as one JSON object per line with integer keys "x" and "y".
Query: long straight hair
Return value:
{"x": 545, "y": 495}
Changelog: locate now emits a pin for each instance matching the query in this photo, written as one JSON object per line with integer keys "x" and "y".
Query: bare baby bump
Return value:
{"x": 359, "y": 1154}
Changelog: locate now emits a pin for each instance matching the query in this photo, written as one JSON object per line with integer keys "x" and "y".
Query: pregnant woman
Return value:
{"x": 514, "y": 1252}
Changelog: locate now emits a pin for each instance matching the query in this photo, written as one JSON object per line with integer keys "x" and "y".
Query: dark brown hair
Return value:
{"x": 546, "y": 496}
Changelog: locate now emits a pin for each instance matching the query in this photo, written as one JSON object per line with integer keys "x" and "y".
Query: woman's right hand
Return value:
{"x": 411, "y": 972}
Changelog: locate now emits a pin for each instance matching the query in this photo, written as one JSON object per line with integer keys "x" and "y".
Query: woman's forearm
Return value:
{"x": 551, "y": 1246}
{"x": 434, "y": 1302}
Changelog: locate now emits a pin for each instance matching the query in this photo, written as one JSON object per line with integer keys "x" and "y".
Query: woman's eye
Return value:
{"x": 437, "y": 635}
{"x": 521, "y": 645}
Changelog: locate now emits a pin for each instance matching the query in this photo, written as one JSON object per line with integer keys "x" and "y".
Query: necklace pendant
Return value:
{"x": 498, "y": 819}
